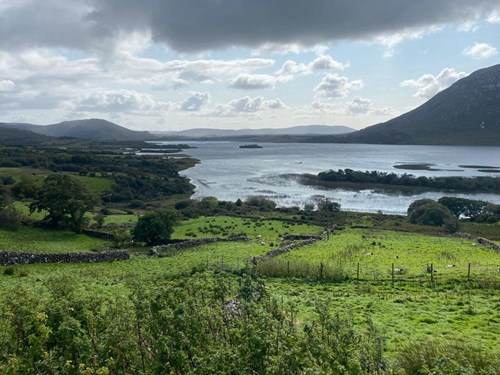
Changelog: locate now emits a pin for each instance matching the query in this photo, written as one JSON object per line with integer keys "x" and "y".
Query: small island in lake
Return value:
{"x": 251, "y": 146}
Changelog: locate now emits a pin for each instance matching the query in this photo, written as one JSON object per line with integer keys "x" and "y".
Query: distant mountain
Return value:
{"x": 87, "y": 129}
{"x": 12, "y": 136}
{"x": 295, "y": 130}
{"x": 466, "y": 113}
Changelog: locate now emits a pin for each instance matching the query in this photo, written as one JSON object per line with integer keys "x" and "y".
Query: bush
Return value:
{"x": 10, "y": 218}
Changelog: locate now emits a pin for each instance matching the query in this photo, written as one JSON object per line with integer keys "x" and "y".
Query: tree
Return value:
{"x": 155, "y": 228}
{"x": 430, "y": 212}
{"x": 65, "y": 199}
{"x": 470, "y": 208}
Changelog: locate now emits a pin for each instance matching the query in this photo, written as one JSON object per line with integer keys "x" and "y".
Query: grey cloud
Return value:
{"x": 120, "y": 100}
{"x": 253, "y": 82}
{"x": 247, "y": 106}
{"x": 195, "y": 102}
{"x": 6, "y": 85}
{"x": 193, "y": 25}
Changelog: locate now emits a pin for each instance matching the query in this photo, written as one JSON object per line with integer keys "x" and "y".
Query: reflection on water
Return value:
{"x": 228, "y": 172}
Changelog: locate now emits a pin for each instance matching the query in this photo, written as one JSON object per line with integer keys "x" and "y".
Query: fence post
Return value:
{"x": 432, "y": 274}
{"x": 468, "y": 272}
{"x": 392, "y": 274}
{"x": 357, "y": 272}
{"x": 288, "y": 268}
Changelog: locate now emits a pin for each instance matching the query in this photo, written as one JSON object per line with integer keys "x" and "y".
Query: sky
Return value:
{"x": 167, "y": 65}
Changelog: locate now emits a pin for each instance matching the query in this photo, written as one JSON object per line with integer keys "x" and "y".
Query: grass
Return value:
{"x": 95, "y": 184}
{"x": 224, "y": 226}
{"x": 38, "y": 240}
{"x": 407, "y": 312}
{"x": 376, "y": 251}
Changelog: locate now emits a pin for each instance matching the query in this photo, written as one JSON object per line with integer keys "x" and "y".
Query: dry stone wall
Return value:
{"x": 8, "y": 258}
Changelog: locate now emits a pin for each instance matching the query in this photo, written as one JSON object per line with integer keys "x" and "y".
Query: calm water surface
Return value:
{"x": 228, "y": 172}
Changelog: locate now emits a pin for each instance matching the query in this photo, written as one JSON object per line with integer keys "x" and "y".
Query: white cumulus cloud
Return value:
{"x": 335, "y": 86}
{"x": 429, "y": 85}
{"x": 480, "y": 51}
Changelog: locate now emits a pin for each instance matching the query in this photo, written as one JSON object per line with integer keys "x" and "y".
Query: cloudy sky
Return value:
{"x": 179, "y": 64}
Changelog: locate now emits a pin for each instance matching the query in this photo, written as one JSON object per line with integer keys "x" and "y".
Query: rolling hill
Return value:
{"x": 86, "y": 129}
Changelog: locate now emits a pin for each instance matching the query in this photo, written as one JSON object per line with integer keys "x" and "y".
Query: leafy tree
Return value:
{"x": 463, "y": 207}
{"x": 155, "y": 228}
{"x": 430, "y": 212}
{"x": 65, "y": 199}
{"x": 328, "y": 207}
{"x": 260, "y": 202}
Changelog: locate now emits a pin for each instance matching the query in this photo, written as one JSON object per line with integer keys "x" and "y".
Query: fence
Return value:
{"x": 423, "y": 274}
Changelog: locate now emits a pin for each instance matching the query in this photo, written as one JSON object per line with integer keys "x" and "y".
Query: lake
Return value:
{"x": 228, "y": 172}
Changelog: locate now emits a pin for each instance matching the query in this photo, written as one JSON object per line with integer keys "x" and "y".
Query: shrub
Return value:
{"x": 10, "y": 217}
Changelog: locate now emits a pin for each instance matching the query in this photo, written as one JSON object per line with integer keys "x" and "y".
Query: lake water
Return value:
{"x": 228, "y": 172}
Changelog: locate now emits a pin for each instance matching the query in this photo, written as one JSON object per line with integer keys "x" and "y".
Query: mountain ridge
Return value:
{"x": 466, "y": 113}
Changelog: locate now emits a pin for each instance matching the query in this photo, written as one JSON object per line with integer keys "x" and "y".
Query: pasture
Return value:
{"x": 407, "y": 309}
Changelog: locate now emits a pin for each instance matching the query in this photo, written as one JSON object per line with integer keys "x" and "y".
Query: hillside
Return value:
{"x": 19, "y": 137}
{"x": 86, "y": 129}
{"x": 466, "y": 113}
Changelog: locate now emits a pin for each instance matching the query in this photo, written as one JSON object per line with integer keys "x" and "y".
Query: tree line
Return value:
{"x": 453, "y": 183}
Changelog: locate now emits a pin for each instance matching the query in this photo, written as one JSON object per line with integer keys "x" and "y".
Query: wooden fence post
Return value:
{"x": 468, "y": 272}
{"x": 392, "y": 274}
{"x": 432, "y": 274}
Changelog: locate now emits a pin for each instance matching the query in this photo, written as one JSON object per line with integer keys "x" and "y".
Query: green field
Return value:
{"x": 409, "y": 310}
{"x": 224, "y": 226}
{"x": 376, "y": 252}
{"x": 35, "y": 240}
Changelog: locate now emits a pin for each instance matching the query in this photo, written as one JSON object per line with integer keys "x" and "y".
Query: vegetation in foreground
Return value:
{"x": 325, "y": 308}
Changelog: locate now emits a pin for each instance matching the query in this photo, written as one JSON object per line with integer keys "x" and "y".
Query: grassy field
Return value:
{"x": 406, "y": 313}
{"x": 224, "y": 226}
{"x": 37, "y": 240}
{"x": 376, "y": 252}
{"x": 410, "y": 310}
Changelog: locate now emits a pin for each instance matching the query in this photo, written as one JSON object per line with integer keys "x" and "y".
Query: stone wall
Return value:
{"x": 8, "y": 258}
{"x": 479, "y": 240}
{"x": 186, "y": 244}
{"x": 282, "y": 250}
{"x": 301, "y": 237}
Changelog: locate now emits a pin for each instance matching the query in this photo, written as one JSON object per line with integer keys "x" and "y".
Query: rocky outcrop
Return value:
{"x": 8, "y": 258}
